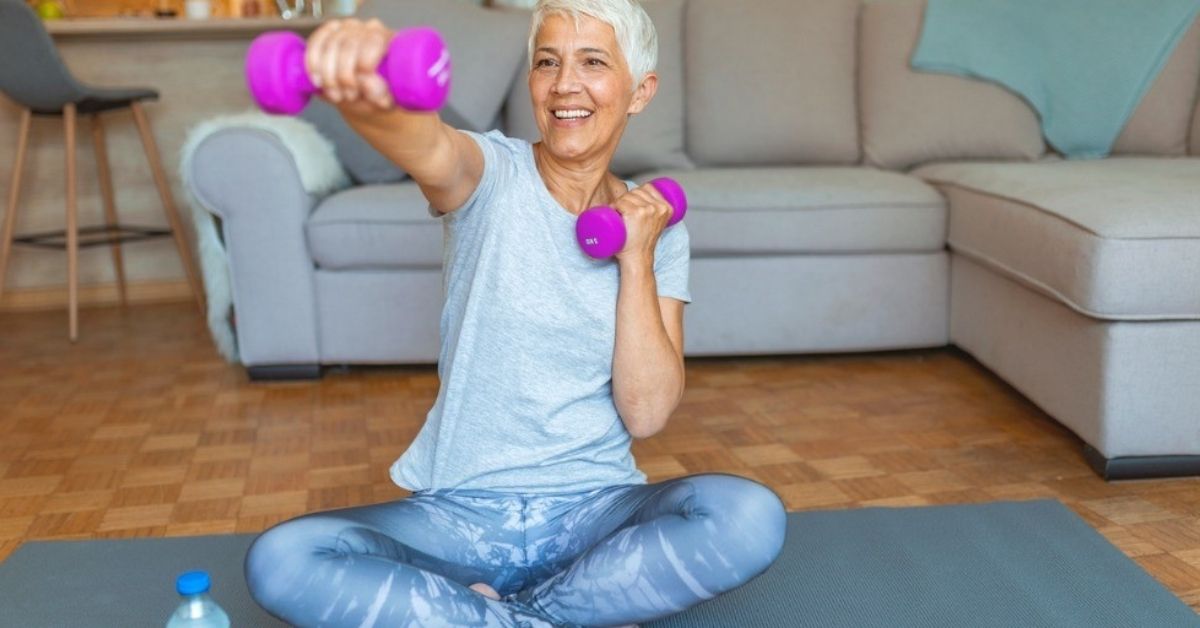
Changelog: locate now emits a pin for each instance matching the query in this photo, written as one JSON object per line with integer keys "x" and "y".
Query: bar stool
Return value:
{"x": 41, "y": 83}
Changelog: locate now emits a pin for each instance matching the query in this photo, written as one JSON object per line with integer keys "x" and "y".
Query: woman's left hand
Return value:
{"x": 645, "y": 212}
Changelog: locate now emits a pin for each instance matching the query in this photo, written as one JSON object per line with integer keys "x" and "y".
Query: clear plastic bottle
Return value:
{"x": 197, "y": 610}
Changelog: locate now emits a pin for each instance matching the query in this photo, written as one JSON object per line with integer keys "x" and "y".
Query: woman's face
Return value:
{"x": 581, "y": 88}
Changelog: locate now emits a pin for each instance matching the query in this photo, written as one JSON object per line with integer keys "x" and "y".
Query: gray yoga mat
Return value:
{"x": 1002, "y": 564}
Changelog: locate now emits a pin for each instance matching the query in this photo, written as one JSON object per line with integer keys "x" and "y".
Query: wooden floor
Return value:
{"x": 140, "y": 429}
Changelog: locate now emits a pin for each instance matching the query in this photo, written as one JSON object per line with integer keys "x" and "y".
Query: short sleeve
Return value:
{"x": 672, "y": 258}
{"x": 497, "y": 162}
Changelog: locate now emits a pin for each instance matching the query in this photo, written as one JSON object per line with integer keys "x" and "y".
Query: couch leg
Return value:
{"x": 1141, "y": 467}
{"x": 277, "y": 372}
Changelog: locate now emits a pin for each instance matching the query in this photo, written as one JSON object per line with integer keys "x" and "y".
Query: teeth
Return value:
{"x": 571, "y": 113}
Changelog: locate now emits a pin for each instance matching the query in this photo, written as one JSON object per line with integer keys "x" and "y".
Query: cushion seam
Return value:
{"x": 1049, "y": 291}
{"x": 1050, "y": 213}
{"x": 860, "y": 206}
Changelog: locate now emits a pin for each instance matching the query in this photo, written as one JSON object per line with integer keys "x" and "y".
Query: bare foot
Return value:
{"x": 485, "y": 590}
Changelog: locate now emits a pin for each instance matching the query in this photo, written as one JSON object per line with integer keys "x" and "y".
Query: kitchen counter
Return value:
{"x": 173, "y": 28}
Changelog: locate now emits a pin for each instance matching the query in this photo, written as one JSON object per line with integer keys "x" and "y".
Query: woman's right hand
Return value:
{"x": 342, "y": 57}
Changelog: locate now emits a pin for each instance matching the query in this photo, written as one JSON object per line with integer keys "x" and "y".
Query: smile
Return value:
{"x": 572, "y": 114}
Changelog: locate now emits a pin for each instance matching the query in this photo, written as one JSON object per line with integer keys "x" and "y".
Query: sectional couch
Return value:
{"x": 840, "y": 202}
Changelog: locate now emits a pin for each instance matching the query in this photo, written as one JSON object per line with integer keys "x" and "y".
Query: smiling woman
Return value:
{"x": 584, "y": 85}
{"x": 528, "y": 508}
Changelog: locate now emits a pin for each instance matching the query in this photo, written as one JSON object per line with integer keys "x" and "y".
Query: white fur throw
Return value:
{"x": 320, "y": 173}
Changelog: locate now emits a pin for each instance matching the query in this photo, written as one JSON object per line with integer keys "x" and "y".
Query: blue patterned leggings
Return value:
{"x": 612, "y": 556}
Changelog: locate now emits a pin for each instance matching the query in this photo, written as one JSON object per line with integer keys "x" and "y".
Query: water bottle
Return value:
{"x": 197, "y": 610}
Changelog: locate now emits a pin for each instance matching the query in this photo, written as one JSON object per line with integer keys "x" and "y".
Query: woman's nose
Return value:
{"x": 567, "y": 82}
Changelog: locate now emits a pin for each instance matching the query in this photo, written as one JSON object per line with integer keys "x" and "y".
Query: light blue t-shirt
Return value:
{"x": 527, "y": 330}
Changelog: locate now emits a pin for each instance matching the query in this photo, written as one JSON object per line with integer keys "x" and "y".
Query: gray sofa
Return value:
{"x": 839, "y": 202}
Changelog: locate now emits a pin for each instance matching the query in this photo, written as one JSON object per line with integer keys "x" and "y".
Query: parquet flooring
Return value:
{"x": 140, "y": 429}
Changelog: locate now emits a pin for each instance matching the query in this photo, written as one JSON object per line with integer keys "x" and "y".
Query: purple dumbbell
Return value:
{"x": 416, "y": 68}
{"x": 601, "y": 232}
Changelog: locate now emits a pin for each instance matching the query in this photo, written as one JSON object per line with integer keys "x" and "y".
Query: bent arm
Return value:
{"x": 648, "y": 372}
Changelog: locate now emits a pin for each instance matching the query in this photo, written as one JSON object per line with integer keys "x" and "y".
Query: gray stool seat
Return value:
{"x": 97, "y": 99}
{"x": 41, "y": 82}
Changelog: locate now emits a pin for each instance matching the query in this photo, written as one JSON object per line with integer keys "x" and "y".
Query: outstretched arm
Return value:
{"x": 341, "y": 58}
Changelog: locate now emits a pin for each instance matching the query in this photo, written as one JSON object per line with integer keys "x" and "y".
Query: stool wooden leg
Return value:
{"x": 72, "y": 223}
{"x": 14, "y": 195}
{"x": 164, "y": 191}
{"x": 110, "y": 209}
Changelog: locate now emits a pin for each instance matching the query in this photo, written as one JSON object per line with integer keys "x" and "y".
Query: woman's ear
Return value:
{"x": 644, "y": 93}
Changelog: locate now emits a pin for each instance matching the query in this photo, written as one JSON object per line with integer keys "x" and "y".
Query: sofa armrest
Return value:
{"x": 263, "y": 188}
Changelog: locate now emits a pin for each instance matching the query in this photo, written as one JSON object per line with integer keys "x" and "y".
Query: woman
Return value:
{"x": 527, "y": 508}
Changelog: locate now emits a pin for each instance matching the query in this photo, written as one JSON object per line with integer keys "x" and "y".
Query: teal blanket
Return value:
{"x": 1083, "y": 65}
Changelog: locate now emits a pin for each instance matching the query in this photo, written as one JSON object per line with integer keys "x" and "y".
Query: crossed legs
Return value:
{"x": 608, "y": 557}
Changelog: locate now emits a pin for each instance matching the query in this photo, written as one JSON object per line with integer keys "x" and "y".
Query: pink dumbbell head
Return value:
{"x": 601, "y": 232}
{"x": 416, "y": 68}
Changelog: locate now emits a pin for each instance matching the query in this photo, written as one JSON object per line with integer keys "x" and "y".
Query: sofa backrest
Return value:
{"x": 909, "y": 117}
{"x": 1160, "y": 124}
{"x": 771, "y": 82}
{"x": 788, "y": 82}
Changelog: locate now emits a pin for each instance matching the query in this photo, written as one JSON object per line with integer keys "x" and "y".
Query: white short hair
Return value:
{"x": 634, "y": 30}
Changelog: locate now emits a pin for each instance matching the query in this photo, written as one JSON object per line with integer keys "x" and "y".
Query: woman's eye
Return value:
{"x": 542, "y": 63}
{"x": 594, "y": 61}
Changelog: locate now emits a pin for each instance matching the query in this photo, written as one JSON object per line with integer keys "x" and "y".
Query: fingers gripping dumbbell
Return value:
{"x": 416, "y": 68}
{"x": 601, "y": 232}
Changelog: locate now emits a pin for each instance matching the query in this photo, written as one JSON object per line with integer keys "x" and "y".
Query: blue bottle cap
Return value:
{"x": 192, "y": 582}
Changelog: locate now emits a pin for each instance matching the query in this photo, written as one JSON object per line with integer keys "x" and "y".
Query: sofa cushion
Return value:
{"x": 1116, "y": 238}
{"x": 375, "y": 226}
{"x": 771, "y": 82}
{"x": 654, "y": 138}
{"x": 910, "y": 117}
{"x": 810, "y": 210}
{"x": 1159, "y": 125}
